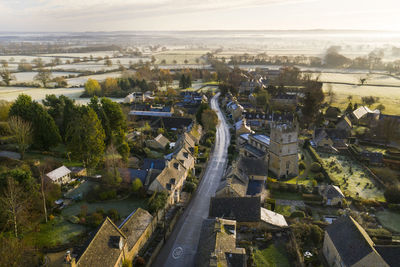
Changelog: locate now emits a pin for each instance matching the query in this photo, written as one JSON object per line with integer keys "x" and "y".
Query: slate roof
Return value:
{"x": 217, "y": 245}
{"x": 241, "y": 209}
{"x": 255, "y": 151}
{"x": 172, "y": 122}
{"x": 374, "y": 157}
{"x": 58, "y": 173}
{"x": 101, "y": 250}
{"x": 253, "y": 166}
{"x": 332, "y": 191}
{"x": 390, "y": 254}
{"x": 135, "y": 225}
{"x": 158, "y": 164}
{"x": 350, "y": 240}
{"x": 254, "y": 187}
{"x": 132, "y": 174}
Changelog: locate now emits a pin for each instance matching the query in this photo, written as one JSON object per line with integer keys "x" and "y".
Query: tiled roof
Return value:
{"x": 241, "y": 209}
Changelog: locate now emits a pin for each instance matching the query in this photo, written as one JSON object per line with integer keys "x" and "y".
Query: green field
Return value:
{"x": 389, "y": 220}
{"x": 124, "y": 207}
{"x": 54, "y": 233}
{"x": 272, "y": 256}
{"x": 388, "y": 96}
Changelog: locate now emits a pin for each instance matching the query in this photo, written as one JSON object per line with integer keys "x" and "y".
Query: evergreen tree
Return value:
{"x": 45, "y": 131}
{"x": 85, "y": 137}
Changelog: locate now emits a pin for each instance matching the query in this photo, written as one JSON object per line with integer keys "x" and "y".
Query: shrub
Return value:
{"x": 319, "y": 177}
{"x": 73, "y": 219}
{"x": 106, "y": 195}
{"x": 315, "y": 167}
{"x": 95, "y": 219}
{"x": 297, "y": 214}
{"x": 136, "y": 185}
{"x": 302, "y": 165}
{"x": 113, "y": 214}
{"x": 392, "y": 194}
{"x": 4, "y": 128}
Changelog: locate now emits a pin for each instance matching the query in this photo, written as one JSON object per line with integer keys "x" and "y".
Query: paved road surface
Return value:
{"x": 180, "y": 249}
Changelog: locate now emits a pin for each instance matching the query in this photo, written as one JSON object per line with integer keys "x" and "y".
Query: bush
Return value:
{"x": 73, "y": 219}
{"x": 297, "y": 214}
{"x": 95, "y": 219}
{"x": 302, "y": 166}
{"x": 113, "y": 214}
{"x": 4, "y": 128}
{"x": 315, "y": 167}
{"x": 319, "y": 177}
{"x": 392, "y": 194}
{"x": 106, "y": 195}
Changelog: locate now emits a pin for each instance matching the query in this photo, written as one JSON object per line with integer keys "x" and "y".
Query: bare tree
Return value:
{"x": 14, "y": 204}
{"x": 22, "y": 131}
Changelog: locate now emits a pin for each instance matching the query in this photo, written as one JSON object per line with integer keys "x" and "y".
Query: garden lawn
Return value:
{"x": 272, "y": 256}
{"x": 54, "y": 233}
{"x": 389, "y": 220}
{"x": 124, "y": 207}
{"x": 286, "y": 195}
{"x": 359, "y": 183}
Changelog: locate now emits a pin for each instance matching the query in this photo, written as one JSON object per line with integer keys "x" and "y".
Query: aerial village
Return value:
{"x": 272, "y": 174}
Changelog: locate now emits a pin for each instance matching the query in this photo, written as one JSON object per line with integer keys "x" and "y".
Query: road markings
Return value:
{"x": 177, "y": 253}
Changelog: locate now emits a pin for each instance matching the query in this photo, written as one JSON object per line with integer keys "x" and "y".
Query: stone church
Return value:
{"x": 283, "y": 158}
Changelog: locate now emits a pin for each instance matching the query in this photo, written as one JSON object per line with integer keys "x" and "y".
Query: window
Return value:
{"x": 289, "y": 138}
{"x": 287, "y": 164}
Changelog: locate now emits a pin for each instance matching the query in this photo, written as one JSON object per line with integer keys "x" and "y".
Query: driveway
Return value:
{"x": 180, "y": 249}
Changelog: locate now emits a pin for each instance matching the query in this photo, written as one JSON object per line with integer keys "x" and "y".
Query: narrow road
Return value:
{"x": 180, "y": 249}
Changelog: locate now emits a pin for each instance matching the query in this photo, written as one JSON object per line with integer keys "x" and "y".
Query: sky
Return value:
{"x": 124, "y": 15}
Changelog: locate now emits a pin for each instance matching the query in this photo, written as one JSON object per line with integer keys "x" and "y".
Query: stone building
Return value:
{"x": 283, "y": 158}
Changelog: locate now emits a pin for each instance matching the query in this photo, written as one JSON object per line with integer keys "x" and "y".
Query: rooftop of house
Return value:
{"x": 255, "y": 151}
{"x": 171, "y": 122}
{"x": 131, "y": 174}
{"x": 234, "y": 180}
{"x": 241, "y": 209}
{"x": 217, "y": 244}
{"x": 376, "y": 157}
{"x": 254, "y": 187}
{"x": 251, "y": 166}
{"x": 390, "y": 254}
{"x": 273, "y": 218}
{"x": 350, "y": 240}
{"x": 171, "y": 175}
{"x": 104, "y": 248}
{"x": 332, "y": 133}
{"x": 58, "y": 173}
{"x": 332, "y": 191}
{"x": 261, "y": 138}
{"x": 287, "y": 116}
{"x": 162, "y": 140}
{"x": 285, "y": 96}
{"x": 362, "y": 111}
{"x": 158, "y": 164}
{"x": 135, "y": 225}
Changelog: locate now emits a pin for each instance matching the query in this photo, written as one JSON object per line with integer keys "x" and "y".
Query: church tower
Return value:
{"x": 283, "y": 158}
